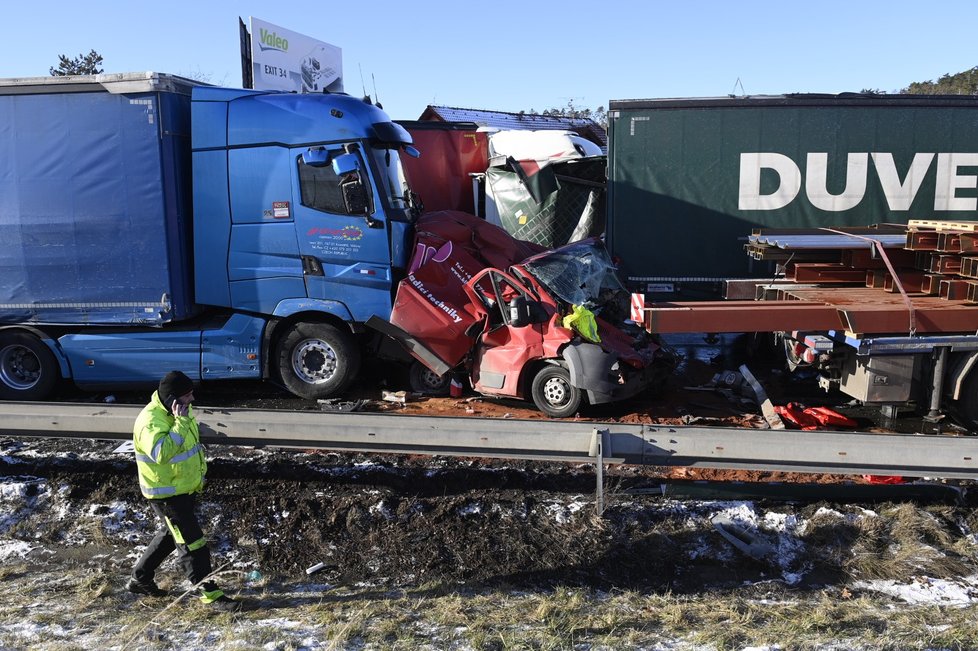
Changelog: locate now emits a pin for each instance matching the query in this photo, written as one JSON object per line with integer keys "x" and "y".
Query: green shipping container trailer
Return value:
{"x": 688, "y": 179}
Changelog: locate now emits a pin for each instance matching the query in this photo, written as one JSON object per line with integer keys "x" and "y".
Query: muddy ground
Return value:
{"x": 415, "y": 521}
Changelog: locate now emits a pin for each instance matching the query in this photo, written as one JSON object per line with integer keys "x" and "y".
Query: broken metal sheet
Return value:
{"x": 552, "y": 205}
{"x": 751, "y": 543}
{"x": 450, "y": 152}
{"x": 541, "y": 145}
{"x": 767, "y": 407}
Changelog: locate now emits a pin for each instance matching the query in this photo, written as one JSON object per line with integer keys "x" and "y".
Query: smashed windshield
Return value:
{"x": 581, "y": 274}
{"x": 392, "y": 181}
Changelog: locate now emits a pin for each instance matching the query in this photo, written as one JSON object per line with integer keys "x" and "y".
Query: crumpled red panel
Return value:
{"x": 812, "y": 418}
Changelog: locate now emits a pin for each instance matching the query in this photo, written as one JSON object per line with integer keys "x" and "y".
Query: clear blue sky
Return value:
{"x": 513, "y": 56}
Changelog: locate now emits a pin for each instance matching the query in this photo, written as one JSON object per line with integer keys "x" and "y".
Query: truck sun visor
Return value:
{"x": 389, "y": 133}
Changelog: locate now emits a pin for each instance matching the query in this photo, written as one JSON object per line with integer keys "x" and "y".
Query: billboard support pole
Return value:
{"x": 247, "y": 74}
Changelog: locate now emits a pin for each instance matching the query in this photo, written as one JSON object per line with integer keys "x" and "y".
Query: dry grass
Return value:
{"x": 84, "y": 606}
{"x": 89, "y": 610}
{"x": 908, "y": 541}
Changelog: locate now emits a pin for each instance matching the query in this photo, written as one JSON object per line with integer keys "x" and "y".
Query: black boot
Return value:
{"x": 148, "y": 588}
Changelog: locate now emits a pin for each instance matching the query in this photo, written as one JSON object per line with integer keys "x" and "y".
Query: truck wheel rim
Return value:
{"x": 20, "y": 368}
{"x": 555, "y": 391}
{"x": 432, "y": 380}
{"x": 314, "y": 361}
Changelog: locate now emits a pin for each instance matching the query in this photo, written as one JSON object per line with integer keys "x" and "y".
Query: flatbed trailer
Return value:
{"x": 868, "y": 314}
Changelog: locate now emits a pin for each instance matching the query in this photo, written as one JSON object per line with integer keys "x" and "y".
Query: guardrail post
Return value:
{"x": 600, "y": 440}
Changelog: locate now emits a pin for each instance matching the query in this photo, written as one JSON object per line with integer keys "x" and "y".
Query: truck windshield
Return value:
{"x": 582, "y": 274}
{"x": 391, "y": 182}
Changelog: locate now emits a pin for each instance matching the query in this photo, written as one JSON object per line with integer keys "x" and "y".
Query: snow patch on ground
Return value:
{"x": 562, "y": 513}
{"x": 19, "y": 498}
{"x": 920, "y": 590}
{"x": 382, "y": 509}
{"x": 19, "y": 548}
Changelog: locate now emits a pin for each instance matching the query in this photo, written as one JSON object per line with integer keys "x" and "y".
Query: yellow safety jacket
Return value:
{"x": 169, "y": 455}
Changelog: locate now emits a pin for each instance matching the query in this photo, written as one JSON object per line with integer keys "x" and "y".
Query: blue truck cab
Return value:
{"x": 153, "y": 223}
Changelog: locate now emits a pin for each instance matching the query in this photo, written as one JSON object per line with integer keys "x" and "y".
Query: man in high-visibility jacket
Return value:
{"x": 171, "y": 467}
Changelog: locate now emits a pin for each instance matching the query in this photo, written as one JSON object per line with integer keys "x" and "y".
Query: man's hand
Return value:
{"x": 180, "y": 409}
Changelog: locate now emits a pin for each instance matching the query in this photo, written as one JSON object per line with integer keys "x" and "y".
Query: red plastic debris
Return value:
{"x": 812, "y": 418}
{"x": 830, "y": 418}
{"x": 884, "y": 479}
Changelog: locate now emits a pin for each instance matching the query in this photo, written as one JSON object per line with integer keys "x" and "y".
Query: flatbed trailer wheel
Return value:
{"x": 28, "y": 368}
{"x": 317, "y": 360}
{"x": 553, "y": 393}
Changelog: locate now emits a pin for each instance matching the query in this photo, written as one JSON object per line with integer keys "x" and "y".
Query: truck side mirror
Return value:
{"x": 519, "y": 312}
{"x": 315, "y": 157}
{"x": 346, "y": 164}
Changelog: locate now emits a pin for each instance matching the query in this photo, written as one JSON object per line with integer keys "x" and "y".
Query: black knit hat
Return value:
{"x": 175, "y": 384}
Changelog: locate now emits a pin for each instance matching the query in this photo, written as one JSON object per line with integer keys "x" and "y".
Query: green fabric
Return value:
{"x": 175, "y": 532}
{"x": 197, "y": 544}
{"x": 581, "y": 320}
{"x": 210, "y": 596}
{"x": 169, "y": 457}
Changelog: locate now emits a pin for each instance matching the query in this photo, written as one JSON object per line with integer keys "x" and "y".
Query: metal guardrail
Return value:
{"x": 948, "y": 457}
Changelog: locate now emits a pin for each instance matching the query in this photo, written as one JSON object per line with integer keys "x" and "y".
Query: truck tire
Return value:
{"x": 317, "y": 360}
{"x": 425, "y": 381}
{"x": 553, "y": 393}
{"x": 28, "y": 368}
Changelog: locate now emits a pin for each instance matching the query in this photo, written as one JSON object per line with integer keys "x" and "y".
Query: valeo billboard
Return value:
{"x": 289, "y": 61}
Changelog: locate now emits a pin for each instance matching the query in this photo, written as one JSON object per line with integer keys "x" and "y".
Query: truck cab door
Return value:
{"x": 341, "y": 229}
{"x": 513, "y": 333}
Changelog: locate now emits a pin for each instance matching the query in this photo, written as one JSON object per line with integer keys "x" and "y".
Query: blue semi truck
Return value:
{"x": 151, "y": 223}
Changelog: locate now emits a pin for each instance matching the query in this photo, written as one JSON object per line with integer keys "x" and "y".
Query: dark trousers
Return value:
{"x": 180, "y": 531}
